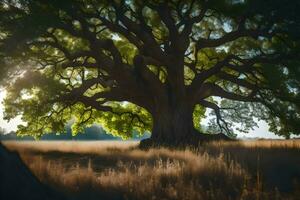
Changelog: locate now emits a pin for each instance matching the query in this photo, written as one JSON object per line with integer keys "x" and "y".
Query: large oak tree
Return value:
{"x": 151, "y": 65}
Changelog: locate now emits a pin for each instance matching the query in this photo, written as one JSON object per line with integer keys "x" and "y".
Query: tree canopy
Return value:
{"x": 130, "y": 64}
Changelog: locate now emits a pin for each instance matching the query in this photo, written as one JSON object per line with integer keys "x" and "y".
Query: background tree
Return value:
{"x": 2, "y": 131}
{"x": 151, "y": 65}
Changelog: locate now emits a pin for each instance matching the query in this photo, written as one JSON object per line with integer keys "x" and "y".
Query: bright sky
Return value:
{"x": 8, "y": 126}
{"x": 261, "y": 131}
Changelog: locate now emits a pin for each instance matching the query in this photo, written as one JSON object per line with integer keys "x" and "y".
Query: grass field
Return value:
{"x": 267, "y": 169}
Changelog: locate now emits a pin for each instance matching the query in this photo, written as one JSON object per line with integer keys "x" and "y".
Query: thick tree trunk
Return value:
{"x": 173, "y": 126}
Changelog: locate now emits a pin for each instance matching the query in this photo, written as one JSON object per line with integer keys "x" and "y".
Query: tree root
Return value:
{"x": 195, "y": 140}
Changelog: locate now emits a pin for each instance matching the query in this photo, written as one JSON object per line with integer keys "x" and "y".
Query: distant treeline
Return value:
{"x": 94, "y": 132}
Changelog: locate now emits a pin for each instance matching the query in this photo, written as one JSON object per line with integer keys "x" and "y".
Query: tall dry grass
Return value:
{"x": 118, "y": 170}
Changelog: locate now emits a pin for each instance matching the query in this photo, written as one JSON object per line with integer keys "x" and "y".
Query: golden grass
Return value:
{"x": 118, "y": 170}
{"x": 293, "y": 143}
{"x": 69, "y": 146}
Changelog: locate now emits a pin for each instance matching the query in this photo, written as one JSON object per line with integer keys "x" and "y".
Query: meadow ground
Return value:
{"x": 266, "y": 169}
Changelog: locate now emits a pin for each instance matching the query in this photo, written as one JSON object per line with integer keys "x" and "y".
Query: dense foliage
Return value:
{"x": 124, "y": 64}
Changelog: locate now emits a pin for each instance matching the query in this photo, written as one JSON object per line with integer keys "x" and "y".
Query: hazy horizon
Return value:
{"x": 260, "y": 131}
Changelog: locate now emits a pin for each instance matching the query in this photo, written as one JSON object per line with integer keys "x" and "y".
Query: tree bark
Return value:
{"x": 173, "y": 127}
